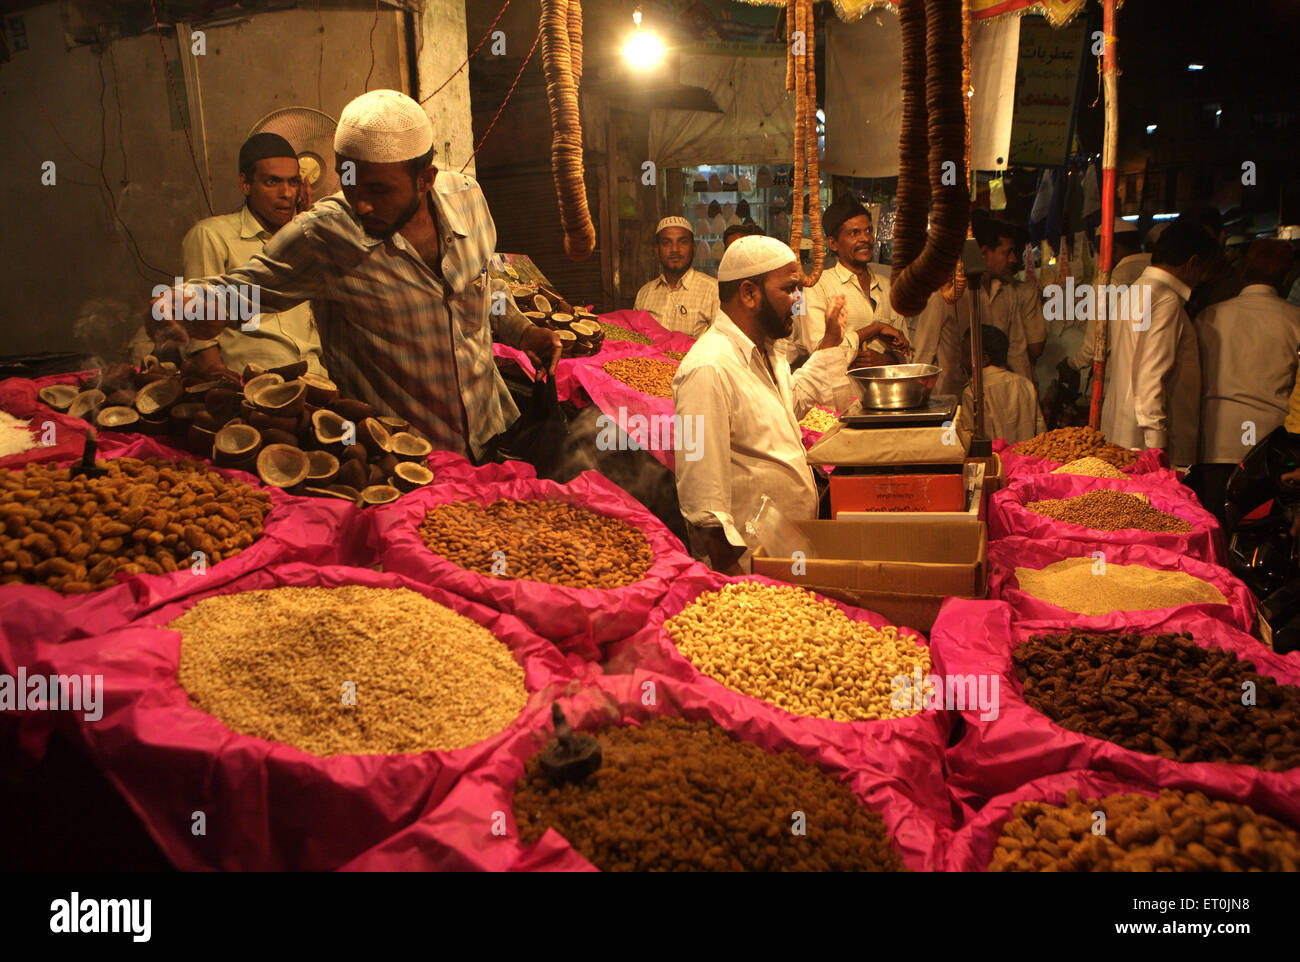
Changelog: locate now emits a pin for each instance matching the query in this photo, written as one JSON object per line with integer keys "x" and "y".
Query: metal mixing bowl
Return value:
{"x": 895, "y": 387}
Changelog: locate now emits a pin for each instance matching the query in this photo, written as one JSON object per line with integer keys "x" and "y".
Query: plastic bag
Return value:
{"x": 1020, "y": 743}
{"x": 1008, "y": 515}
{"x": 970, "y": 849}
{"x": 267, "y": 806}
{"x": 474, "y": 829}
{"x": 1008, "y": 554}
{"x": 296, "y": 529}
{"x": 578, "y": 618}
{"x": 909, "y": 748}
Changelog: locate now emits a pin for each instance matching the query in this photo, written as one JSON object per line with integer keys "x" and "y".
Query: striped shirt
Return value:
{"x": 689, "y": 307}
{"x": 395, "y": 334}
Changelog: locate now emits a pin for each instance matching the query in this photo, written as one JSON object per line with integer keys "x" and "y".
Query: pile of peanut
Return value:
{"x": 1106, "y": 509}
{"x": 1164, "y": 695}
{"x": 1071, "y": 444}
{"x": 646, "y": 374}
{"x": 147, "y": 516}
{"x": 783, "y": 645}
{"x": 549, "y": 541}
{"x": 1090, "y": 468}
{"x": 675, "y": 795}
{"x": 1179, "y": 831}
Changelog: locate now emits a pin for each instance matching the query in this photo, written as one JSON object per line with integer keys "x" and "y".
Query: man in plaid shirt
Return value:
{"x": 395, "y": 266}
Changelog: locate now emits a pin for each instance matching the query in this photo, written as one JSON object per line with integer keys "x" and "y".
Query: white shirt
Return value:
{"x": 1125, "y": 273}
{"x": 937, "y": 340}
{"x": 861, "y": 308}
{"x": 1004, "y": 305}
{"x": 689, "y": 307}
{"x": 751, "y": 444}
{"x": 1154, "y": 396}
{"x": 1011, "y": 409}
{"x": 1248, "y": 368}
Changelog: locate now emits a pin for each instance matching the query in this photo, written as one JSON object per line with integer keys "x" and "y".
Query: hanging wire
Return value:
{"x": 510, "y": 92}
{"x": 171, "y": 80}
{"x": 486, "y": 34}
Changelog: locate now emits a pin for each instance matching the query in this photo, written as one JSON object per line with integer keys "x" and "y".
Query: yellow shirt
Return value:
{"x": 216, "y": 245}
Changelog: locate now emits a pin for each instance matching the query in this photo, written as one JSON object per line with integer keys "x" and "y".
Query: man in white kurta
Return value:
{"x": 1154, "y": 395}
{"x": 736, "y": 380}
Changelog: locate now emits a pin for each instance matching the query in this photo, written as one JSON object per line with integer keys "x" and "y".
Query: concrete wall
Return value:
{"x": 63, "y": 248}
{"x": 440, "y": 49}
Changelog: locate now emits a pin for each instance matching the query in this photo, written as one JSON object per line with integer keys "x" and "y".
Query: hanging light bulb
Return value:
{"x": 643, "y": 50}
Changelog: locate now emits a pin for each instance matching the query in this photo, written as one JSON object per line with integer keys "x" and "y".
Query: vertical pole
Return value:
{"x": 1109, "y": 152}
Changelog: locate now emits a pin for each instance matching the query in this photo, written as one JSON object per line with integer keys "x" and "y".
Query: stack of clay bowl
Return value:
{"x": 580, "y": 332}
{"x": 287, "y": 426}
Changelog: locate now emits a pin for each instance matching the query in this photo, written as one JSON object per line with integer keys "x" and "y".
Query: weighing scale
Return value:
{"x": 940, "y": 408}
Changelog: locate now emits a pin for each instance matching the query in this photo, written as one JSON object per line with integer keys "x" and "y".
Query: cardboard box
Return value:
{"x": 974, "y": 503}
{"x": 903, "y": 571}
{"x": 906, "y": 492}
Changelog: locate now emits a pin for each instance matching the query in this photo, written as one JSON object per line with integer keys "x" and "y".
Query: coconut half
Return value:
{"x": 379, "y": 494}
{"x": 112, "y": 418}
{"x": 58, "y": 396}
{"x": 408, "y": 447}
{"x": 323, "y": 467}
{"x": 283, "y": 465}
{"x": 86, "y": 403}
{"x": 284, "y": 400}
{"x": 374, "y": 436}
{"x": 235, "y": 443}
{"x": 408, "y": 476}
{"x": 155, "y": 399}
{"x": 329, "y": 426}
{"x": 320, "y": 390}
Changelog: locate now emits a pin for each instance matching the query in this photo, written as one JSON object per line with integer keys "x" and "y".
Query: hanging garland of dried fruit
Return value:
{"x": 801, "y": 80}
{"x": 954, "y": 293}
{"x": 562, "y": 65}
{"x": 933, "y": 130}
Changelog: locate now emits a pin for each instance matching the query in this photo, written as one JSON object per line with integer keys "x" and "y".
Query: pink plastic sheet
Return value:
{"x": 458, "y": 834}
{"x": 1020, "y": 744}
{"x": 1008, "y": 515}
{"x": 268, "y": 806}
{"x": 1152, "y": 460}
{"x": 447, "y": 466}
{"x": 643, "y": 322}
{"x": 18, "y": 396}
{"x": 304, "y": 529}
{"x": 647, "y": 420}
{"x": 582, "y": 617}
{"x": 1008, "y": 554}
{"x": 971, "y": 848}
{"x": 911, "y": 748}
{"x": 567, "y": 386}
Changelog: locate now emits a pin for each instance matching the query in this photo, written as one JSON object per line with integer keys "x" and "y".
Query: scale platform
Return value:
{"x": 937, "y": 410}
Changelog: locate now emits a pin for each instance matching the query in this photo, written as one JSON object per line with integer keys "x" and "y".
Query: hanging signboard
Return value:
{"x": 1047, "y": 91}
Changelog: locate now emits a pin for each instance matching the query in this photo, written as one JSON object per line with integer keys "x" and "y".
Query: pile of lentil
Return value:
{"x": 549, "y": 541}
{"x": 1071, "y": 444}
{"x": 1078, "y": 585}
{"x": 819, "y": 419}
{"x": 1178, "y": 831}
{"x": 676, "y": 795}
{"x": 1161, "y": 694}
{"x": 144, "y": 516}
{"x": 648, "y": 375}
{"x": 1105, "y": 509}
{"x": 781, "y": 644}
{"x": 274, "y": 664}
{"x": 1090, "y": 468}
{"x": 675, "y": 355}
{"x": 616, "y": 332}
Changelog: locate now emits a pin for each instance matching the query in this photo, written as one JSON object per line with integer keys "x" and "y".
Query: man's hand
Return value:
{"x": 304, "y": 196}
{"x": 866, "y": 357}
{"x": 836, "y": 320}
{"x": 543, "y": 348}
{"x": 891, "y": 335}
{"x": 208, "y": 363}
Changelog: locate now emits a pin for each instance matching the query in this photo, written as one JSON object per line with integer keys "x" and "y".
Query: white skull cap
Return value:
{"x": 681, "y": 222}
{"x": 383, "y": 127}
{"x": 752, "y": 256}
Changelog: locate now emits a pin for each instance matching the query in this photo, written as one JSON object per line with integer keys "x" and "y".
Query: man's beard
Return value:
{"x": 772, "y": 323}
{"x": 404, "y": 219}
{"x": 860, "y": 260}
